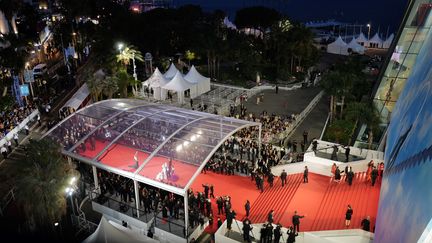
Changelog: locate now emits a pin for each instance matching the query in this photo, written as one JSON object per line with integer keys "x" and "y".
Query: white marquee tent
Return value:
{"x": 356, "y": 47}
{"x": 172, "y": 71}
{"x": 338, "y": 47}
{"x": 229, "y": 24}
{"x": 362, "y": 40}
{"x": 376, "y": 41}
{"x": 156, "y": 81}
{"x": 387, "y": 43}
{"x": 201, "y": 83}
{"x": 111, "y": 232}
{"x": 179, "y": 85}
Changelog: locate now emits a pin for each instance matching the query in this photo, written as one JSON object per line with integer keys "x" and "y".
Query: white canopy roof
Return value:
{"x": 111, "y": 232}
{"x": 338, "y": 47}
{"x": 387, "y": 43}
{"x": 193, "y": 76}
{"x": 157, "y": 79}
{"x": 375, "y": 39}
{"x": 78, "y": 98}
{"x": 361, "y": 38}
{"x": 356, "y": 47}
{"x": 172, "y": 71}
{"x": 178, "y": 83}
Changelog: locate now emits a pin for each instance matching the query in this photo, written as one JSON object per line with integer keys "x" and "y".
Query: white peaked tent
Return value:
{"x": 172, "y": 71}
{"x": 338, "y": 47}
{"x": 356, "y": 47}
{"x": 375, "y": 41}
{"x": 4, "y": 25}
{"x": 156, "y": 82}
{"x": 387, "y": 43}
{"x": 178, "y": 84}
{"x": 201, "y": 83}
{"x": 229, "y": 24}
{"x": 362, "y": 40}
{"x": 110, "y": 232}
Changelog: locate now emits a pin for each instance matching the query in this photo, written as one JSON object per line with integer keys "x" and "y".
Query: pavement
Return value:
{"x": 284, "y": 103}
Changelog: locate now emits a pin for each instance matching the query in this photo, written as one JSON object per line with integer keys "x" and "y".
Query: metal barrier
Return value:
{"x": 119, "y": 206}
{"x": 8, "y": 198}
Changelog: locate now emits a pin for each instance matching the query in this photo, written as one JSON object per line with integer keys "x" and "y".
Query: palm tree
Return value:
{"x": 364, "y": 113}
{"x": 44, "y": 174}
{"x": 128, "y": 54}
{"x": 110, "y": 86}
{"x": 338, "y": 84}
{"x": 123, "y": 81}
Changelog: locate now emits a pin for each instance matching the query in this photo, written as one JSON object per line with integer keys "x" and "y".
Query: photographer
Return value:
{"x": 277, "y": 233}
{"x": 247, "y": 228}
{"x": 292, "y": 234}
{"x": 230, "y": 216}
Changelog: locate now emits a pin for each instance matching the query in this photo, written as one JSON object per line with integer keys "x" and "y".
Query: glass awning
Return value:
{"x": 160, "y": 145}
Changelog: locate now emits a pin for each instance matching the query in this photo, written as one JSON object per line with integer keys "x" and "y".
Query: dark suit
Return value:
{"x": 283, "y": 178}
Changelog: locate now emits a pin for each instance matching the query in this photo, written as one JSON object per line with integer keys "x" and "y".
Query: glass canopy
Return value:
{"x": 160, "y": 145}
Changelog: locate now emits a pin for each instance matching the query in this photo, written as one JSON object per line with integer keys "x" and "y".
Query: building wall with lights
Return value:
{"x": 416, "y": 26}
{"x": 405, "y": 211}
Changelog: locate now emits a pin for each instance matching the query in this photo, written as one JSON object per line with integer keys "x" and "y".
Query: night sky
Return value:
{"x": 382, "y": 13}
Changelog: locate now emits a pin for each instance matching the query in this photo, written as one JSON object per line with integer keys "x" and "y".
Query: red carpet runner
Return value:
{"x": 323, "y": 203}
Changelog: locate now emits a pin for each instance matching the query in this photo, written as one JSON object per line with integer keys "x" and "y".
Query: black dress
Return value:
{"x": 348, "y": 214}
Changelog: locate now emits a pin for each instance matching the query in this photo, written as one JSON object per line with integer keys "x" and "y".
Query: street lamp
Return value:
{"x": 70, "y": 191}
{"x": 120, "y": 47}
{"x": 369, "y": 28}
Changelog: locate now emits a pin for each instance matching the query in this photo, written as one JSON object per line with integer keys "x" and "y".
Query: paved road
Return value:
{"x": 314, "y": 122}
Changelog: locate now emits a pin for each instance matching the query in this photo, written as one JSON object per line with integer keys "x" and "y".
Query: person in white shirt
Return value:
{"x": 15, "y": 137}
{"x": 3, "y": 150}
{"x": 9, "y": 144}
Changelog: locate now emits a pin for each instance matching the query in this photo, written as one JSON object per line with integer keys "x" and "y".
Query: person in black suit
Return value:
{"x": 305, "y": 175}
{"x": 283, "y": 177}
{"x": 350, "y": 176}
{"x": 277, "y": 233}
{"x": 348, "y": 215}
{"x": 230, "y": 217}
{"x": 247, "y": 208}
{"x": 374, "y": 175}
{"x": 246, "y": 230}
{"x": 270, "y": 216}
{"x": 292, "y": 234}
{"x": 365, "y": 223}
{"x": 296, "y": 221}
{"x": 347, "y": 153}
{"x": 337, "y": 174}
{"x": 270, "y": 179}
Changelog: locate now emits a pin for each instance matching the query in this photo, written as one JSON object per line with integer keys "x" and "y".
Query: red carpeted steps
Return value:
{"x": 331, "y": 213}
{"x": 277, "y": 198}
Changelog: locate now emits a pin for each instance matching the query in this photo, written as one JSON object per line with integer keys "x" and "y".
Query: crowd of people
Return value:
{"x": 372, "y": 174}
{"x": 12, "y": 118}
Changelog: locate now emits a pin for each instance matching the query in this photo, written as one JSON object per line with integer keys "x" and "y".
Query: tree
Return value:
{"x": 337, "y": 84}
{"x": 125, "y": 56}
{"x": 364, "y": 113}
{"x": 123, "y": 81}
{"x": 189, "y": 55}
{"x": 94, "y": 82}
{"x": 44, "y": 174}
{"x": 109, "y": 86}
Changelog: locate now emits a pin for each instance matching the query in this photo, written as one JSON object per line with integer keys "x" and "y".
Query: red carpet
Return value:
{"x": 122, "y": 157}
{"x": 240, "y": 189}
{"x": 323, "y": 203}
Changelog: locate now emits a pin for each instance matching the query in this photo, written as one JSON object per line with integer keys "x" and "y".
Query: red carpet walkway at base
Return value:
{"x": 322, "y": 201}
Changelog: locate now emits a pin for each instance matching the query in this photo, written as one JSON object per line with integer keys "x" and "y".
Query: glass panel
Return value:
{"x": 72, "y": 130}
{"x": 98, "y": 112}
{"x": 123, "y": 104}
{"x": 420, "y": 15}
{"x": 401, "y": 68}
{"x": 104, "y": 135}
